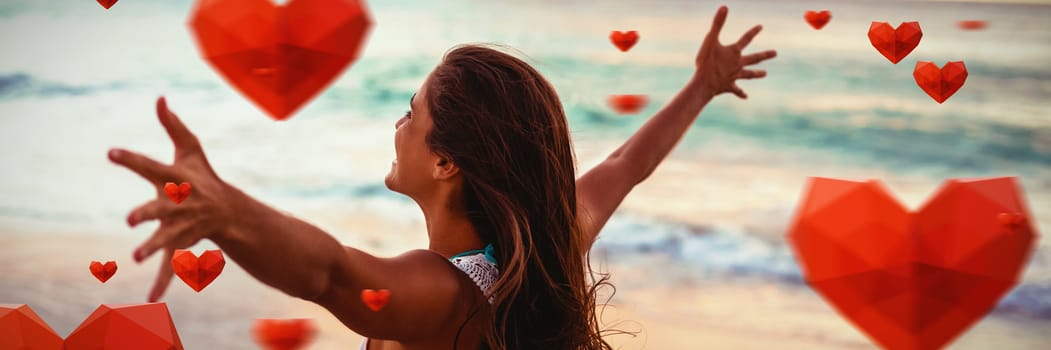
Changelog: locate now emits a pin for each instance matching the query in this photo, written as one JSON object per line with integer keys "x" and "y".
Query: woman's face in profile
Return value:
{"x": 414, "y": 164}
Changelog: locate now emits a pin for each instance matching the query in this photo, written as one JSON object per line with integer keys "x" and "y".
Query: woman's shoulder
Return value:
{"x": 448, "y": 282}
{"x": 435, "y": 272}
{"x": 422, "y": 260}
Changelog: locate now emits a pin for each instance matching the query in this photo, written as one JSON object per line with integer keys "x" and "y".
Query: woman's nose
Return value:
{"x": 398, "y": 123}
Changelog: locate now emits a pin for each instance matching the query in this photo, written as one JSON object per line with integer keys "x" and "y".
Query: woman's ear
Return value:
{"x": 444, "y": 169}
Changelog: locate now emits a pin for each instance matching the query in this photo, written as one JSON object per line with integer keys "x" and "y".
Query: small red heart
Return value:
{"x": 107, "y": 3}
{"x": 940, "y": 83}
{"x": 375, "y": 299}
{"x": 280, "y": 55}
{"x": 893, "y": 43}
{"x": 624, "y": 41}
{"x": 817, "y": 19}
{"x": 103, "y": 272}
{"x": 197, "y": 272}
{"x": 177, "y": 193}
{"x": 627, "y": 104}
{"x": 291, "y": 334}
{"x": 972, "y": 24}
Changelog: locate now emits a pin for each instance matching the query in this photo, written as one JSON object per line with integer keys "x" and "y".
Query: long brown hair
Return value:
{"x": 503, "y": 125}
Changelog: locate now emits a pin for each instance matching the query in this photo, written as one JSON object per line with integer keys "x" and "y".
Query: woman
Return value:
{"x": 485, "y": 152}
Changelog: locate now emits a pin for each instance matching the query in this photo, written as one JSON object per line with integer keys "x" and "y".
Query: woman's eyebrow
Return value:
{"x": 413, "y": 98}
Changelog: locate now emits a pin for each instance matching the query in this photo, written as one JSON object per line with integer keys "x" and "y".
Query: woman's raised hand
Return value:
{"x": 208, "y": 210}
{"x": 719, "y": 66}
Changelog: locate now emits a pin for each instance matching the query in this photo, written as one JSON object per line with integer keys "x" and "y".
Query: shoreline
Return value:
{"x": 738, "y": 313}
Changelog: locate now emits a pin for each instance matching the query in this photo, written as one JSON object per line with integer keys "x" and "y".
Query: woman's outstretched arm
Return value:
{"x": 285, "y": 252}
{"x": 601, "y": 190}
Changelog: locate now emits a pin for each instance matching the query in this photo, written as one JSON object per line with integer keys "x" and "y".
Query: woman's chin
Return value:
{"x": 389, "y": 181}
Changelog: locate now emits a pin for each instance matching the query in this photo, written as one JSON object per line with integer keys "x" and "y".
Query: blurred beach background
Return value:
{"x": 697, "y": 252}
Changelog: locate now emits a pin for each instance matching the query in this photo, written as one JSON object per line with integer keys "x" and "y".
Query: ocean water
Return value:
{"x": 76, "y": 80}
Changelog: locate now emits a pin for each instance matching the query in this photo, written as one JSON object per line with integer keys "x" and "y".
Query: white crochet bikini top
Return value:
{"x": 480, "y": 265}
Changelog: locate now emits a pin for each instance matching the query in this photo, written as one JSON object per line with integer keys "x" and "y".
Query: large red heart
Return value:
{"x": 21, "y": 328}
{"x": 912, "y": 280}
{"x": 942, "y": 83}
{"x": 103, "y": 272}
{"x": 177, "y": 193}
{"x": 627, "y": 104}
{"x": 375, "y": 299}
{"x": 624, "y": 41}
{"x": 107, "y": 3}
{"x": 280, "y": 56}
{"x": 137, "y": 326}
{"x": 198, "y": 272}
{"x": 290, "y": 334}
{"x": 817, "y": 19}
{"x": 893, "y": 43}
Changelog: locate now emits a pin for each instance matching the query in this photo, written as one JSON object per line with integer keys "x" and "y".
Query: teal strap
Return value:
{"x": 488, "y": 251}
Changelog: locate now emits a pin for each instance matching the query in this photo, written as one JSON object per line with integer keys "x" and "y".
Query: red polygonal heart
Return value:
{"x": 280, "y": 56}
{"x": 913, "y": 280}
{"x": 103, "y": 272}
{"x": 627, "y": 104}
{"x": 177, "y": 193}
{"x": 624, "y": 40}
{"x": 895, "y": 44}
{"x": 375, "y": 299}
{"x": 21, "y": 328}
{"x": 197, "y": 272}
{"x": 275, "y": 334}
{"x": 973, "y": 24}
{"x": 137, "y": 326}
{"x": 106, "y": 3}
{"x": 817, "y": 20}
{"x": 941, "y": 83}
